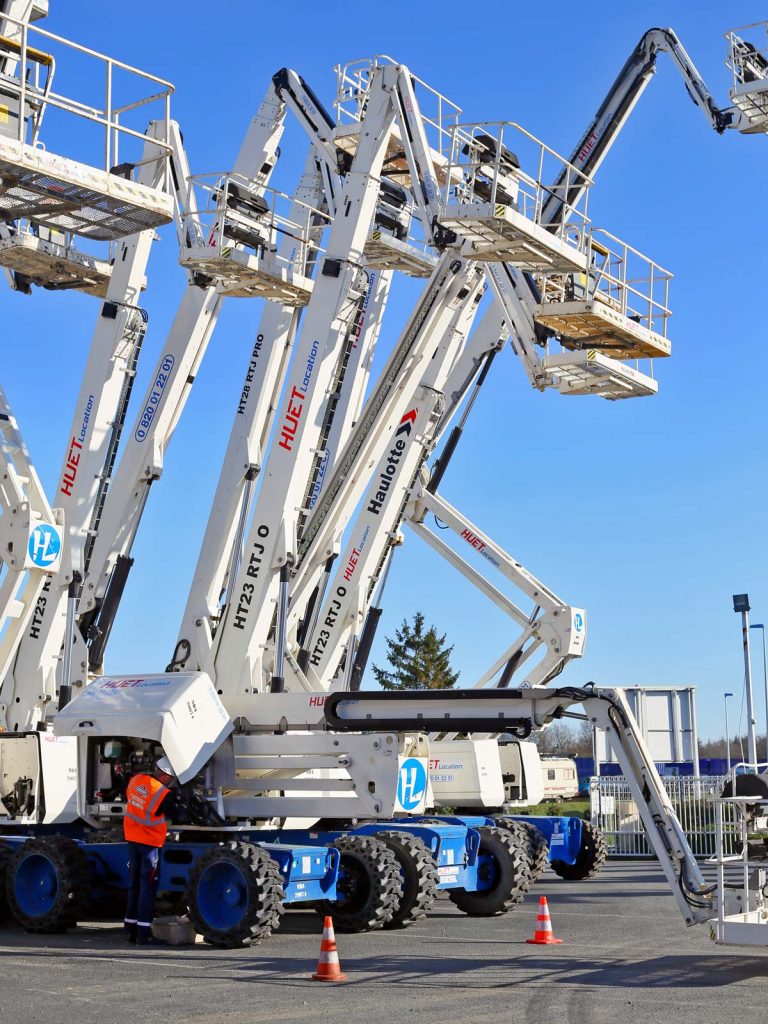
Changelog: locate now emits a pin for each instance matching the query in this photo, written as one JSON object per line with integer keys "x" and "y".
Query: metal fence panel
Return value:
{"x": 614, "y": 812}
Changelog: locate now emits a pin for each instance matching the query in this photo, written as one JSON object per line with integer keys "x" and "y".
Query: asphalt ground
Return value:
{"x": 627, "y": 958}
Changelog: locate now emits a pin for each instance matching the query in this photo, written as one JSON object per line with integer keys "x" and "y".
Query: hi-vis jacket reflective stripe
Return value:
{"x": 142, "y": 821}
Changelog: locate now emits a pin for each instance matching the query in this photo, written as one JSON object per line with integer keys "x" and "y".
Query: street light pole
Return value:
{"x": 741, "y": 604}
{"x": 759, "y": 625}
{"x": 727, "y": 732}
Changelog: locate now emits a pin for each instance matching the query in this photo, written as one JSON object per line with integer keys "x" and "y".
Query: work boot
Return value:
{"x": 131, "y": 932}
{"x": 149, "y": 940}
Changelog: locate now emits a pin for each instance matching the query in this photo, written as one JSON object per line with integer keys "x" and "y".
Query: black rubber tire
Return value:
{"x": 264, "y": 891}
{"x": 533, "y": 839}
{"x": 73, "y": 882}
{"x": 419, "y": 874}
{"x": 512, "y": 876}
{"x": 590, "y": 860}
{"x": 5, "y": 859}
{"x": 370, "y": 885}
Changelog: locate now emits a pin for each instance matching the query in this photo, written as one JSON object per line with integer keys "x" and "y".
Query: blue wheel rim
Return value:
{"x": 36, "y": 885}
{"x": 487, "y": 873}
{"x": 222, "y": 895}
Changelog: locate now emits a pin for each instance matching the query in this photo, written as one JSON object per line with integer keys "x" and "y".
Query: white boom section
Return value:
{"x": 352, "y": 376}
{"x": 523, "y": 710}
{"x": 30, "y": 540}
{"x": 620, "y": 101}
{"x": 455, "y": 286}
{"x": 397, "y": 430}
{"x": 142, "y": 460}
{"x": 555, "y": 630}
{"x": 271, "y": 541}
{"x": 30, "y": 685}
{"x": 221, "y": 549}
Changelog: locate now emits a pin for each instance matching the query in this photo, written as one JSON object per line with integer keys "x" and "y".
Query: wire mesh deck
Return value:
{"x": 64, "y": 194}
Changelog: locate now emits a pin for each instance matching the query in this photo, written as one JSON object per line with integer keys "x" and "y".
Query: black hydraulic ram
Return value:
{"x": 451, "y": 719}
{"x": 97, "y": 626}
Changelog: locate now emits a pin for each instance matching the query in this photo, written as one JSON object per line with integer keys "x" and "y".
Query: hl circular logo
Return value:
{"x": 411, "y": 784}
{"x": 44, "y": 546}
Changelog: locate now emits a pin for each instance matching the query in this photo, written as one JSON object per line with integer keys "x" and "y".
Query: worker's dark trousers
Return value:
{"x": 142, "y": 881}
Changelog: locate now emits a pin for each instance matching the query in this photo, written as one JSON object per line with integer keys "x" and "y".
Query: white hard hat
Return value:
{"x": 164, "y": 765}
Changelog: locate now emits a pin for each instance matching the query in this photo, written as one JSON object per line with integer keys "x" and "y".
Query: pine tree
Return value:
{"x": 418, "y": 659}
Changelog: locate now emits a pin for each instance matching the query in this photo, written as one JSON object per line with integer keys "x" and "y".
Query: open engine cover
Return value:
{"x": 179, "y": 710}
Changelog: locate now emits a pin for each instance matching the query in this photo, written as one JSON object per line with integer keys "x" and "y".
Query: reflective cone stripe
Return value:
{"x": 328, "y": 966}
{"x": 543, "y": 936}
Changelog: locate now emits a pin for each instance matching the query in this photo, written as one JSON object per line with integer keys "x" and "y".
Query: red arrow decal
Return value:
{"x": 406, "y": 422}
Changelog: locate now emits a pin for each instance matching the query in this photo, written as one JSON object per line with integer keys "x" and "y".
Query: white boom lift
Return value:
{"x": 297, "y": 94}
{"x": 51, "y": 199}
{"x": 142, "y": 461}
{"x": 234, "y": 243}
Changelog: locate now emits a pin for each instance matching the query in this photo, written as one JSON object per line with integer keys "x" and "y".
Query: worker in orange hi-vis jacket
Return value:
{"x": 149, "y": 804}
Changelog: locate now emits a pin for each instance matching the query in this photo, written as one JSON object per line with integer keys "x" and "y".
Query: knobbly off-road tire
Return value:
{"x": 591, "y": 857}
{"x": 419, "y": 874}
{"x": 370, "y": 885}
{"x": 47, "y": 882}
{"x": 235, "y": 895}
{"x": 506, "y": 867}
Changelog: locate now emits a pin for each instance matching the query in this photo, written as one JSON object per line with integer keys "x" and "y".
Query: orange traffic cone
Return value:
{"x": 328, "y": 966}
{"x": 543, "y": 935}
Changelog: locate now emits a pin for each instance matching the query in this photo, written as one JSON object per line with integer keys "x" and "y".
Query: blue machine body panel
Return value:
{"x": 453, "y": 844}
{"x": 308, "y": 872}
{"x": 563, "y": 834}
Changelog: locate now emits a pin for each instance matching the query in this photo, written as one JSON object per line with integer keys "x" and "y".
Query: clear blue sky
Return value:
{"x": 649, "y": 513}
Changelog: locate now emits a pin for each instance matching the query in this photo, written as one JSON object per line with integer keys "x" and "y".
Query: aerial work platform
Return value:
{"x": 590, "y": 373}
{"x": 748, "y": 61}
{"x": 497, "y": 232}
{"x": 95, "y": 195}
{"x": 497, "y": 206}
{"x": 347, "y": 136}
{"x": 71, "y": 196}
{"x": 244, "y": 275}
{"x": 439, "y": 117}
{"x": 385, "y": 252}
{"x": 596, "y": 323}
{"x": 55, "y": 264}
{"x": 233, "y": 228}
{"x": 620, "y": 307}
